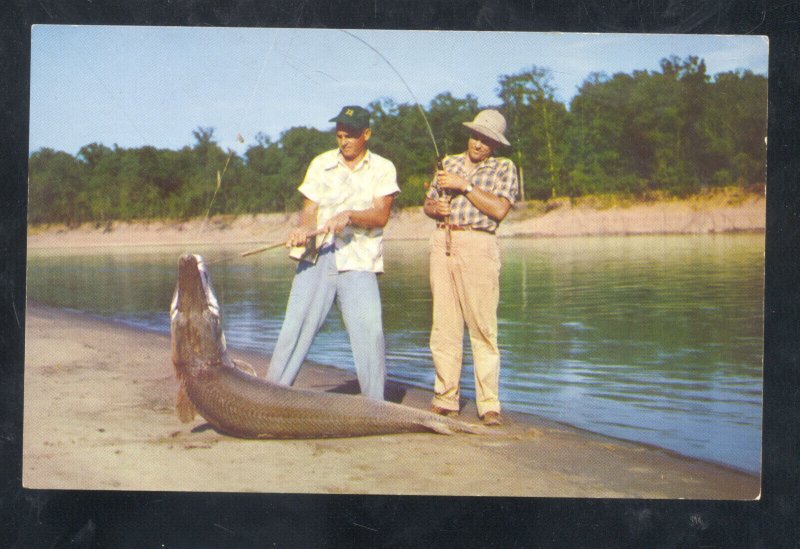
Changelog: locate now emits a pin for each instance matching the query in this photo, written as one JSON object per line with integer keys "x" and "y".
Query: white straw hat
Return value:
{"x": 491, "y": 124}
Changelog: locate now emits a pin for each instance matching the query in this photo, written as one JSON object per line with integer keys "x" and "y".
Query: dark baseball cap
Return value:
{"x": 354, "y": 117}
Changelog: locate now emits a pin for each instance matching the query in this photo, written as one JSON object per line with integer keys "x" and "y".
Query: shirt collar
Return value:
{"x": 487, "y": 163}
{"x": 339, "y": 159}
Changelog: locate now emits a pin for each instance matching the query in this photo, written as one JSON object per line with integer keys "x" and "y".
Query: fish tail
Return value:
{"x": 437, "y": 426}
{"x": 475, "y": 429}
{"x": 451, "y": 427}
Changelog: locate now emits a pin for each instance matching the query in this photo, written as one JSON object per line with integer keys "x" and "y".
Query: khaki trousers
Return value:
{"x": 466, "y": 291}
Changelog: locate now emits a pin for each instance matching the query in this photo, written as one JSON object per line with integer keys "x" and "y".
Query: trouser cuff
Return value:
{"x": 446, "y": 404}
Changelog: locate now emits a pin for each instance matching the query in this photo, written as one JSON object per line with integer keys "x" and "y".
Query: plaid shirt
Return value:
{"x": 495, "y": 175}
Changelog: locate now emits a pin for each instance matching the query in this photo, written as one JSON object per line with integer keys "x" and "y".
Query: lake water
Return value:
{"x": 656, "y": 339}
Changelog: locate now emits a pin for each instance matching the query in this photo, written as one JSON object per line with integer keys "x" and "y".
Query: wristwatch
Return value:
{"x": 469, "y": 188}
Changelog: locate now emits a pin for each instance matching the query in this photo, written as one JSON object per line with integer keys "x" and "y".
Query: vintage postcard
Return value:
{"x": 531, "y": 264}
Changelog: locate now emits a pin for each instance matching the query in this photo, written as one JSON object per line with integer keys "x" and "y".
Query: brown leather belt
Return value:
{"x": 463, "y": 228}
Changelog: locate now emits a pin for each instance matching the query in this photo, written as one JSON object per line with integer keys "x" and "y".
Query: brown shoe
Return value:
{"x": 492, "y": 418}
{"x": 443, "y": 411}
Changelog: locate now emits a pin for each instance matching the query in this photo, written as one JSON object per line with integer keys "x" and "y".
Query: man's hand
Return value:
{"x": 443, "y": 207}
{"x": 336, "y": 223}
{"x": 308, "y": 220}
{"x": 437, "y": 208}
{"x": 451, "y": 182}
{"x": 298, "y": 237}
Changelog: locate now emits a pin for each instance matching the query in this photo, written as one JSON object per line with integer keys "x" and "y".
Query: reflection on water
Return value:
{"x": 655, "y": 339}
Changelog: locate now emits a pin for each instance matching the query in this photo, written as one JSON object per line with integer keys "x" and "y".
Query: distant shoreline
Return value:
{"x": 705, "y": 214}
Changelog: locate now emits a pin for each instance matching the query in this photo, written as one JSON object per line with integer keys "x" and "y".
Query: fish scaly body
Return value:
{"x": 243, "y": 405}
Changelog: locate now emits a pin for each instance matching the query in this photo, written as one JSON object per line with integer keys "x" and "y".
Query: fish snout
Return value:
{"x": 193, "y": 291}
{"x": 188, "y": 262}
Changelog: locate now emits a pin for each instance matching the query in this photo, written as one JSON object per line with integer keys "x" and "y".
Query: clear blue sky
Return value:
{"x": 135, "y": 86}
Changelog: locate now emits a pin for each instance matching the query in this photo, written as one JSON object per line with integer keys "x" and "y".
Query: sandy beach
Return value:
{"x": 99, "y": 414}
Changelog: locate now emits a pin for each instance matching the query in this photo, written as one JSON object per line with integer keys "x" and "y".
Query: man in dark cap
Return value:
{"x": 348, "y": 194}
{"x": 468, "y": 199}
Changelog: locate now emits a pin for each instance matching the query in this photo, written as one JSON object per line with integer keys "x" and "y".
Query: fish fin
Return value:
{"x": 437, "y": 426}
{"x": 244, "y": 367}
{"x": 447, "y": 428}
{"x": 480, "y": 430}
{"x": 184, "y": 407}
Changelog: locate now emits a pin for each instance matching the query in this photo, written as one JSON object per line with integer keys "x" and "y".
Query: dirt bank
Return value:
{"x": 557, "y": 218}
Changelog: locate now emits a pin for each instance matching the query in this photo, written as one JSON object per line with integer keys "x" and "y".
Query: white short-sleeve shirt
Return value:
{"x": 336, "y": 188}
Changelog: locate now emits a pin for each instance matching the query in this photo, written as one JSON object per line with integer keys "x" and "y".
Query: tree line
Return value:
{"x": 676, "y": 131}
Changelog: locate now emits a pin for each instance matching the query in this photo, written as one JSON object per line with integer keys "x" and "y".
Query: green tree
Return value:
{"x": 57, "y": 188}
{"x": 537, "y": 129}
{"x": 601, "y": 115}
{"x": 447, "y": 115}
{"x": 93, "y": 153}
{"x": 662, "y": 130}
{"x": 399, "y": 134}
{"x": 735, "y": 129}
{"x": 674, "y": 130}
{"x": 203, "y": 161}
{"x": 299, "y": 146}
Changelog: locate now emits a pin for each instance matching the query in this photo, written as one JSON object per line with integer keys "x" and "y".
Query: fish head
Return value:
{"x": 195, "y": 324}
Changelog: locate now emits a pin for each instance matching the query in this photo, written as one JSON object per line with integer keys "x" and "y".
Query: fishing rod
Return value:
{"x": 403, "y": 80}
{"x": 230, "y": 257}
{"x": 439, "y": 165}
{"x": 307, "y": 255}
{"x": 274, "y": 245}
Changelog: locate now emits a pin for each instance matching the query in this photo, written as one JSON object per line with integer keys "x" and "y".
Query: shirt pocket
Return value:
{"x": 361, "y": 191}
{"x": 333, "y": 188}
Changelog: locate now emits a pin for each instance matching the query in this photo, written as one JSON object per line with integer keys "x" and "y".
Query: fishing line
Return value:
{"x": 252, "y": 96}
{"x": 258, "y": 80}
{"x": 400, "y": 76}
{"x": 293, "y": 62}
{"x": 239, "y": 137}
{"x": 439, "y": 165}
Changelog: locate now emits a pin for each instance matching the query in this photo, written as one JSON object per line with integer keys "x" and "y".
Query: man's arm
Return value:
{"x": 496, "y": 207}
{"x": 375, "y": 217}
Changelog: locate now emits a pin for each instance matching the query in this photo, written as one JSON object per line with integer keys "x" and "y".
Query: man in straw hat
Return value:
{"x": 468, "y": 199}
{"x": 348, "y": 198}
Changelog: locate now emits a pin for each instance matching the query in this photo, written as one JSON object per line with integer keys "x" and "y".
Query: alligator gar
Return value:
{"x": 240, "y": 404}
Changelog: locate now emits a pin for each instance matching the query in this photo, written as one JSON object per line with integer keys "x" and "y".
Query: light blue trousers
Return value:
{"x": 314, "y": 288}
